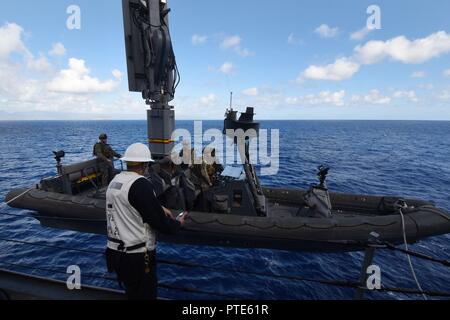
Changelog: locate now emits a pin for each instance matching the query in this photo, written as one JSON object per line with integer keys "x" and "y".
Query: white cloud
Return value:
{"x": 198, "y": 39}
{"x": 360, "y": 34}
{"x": 426, "y": 86}
{"x": 444, "y": 95}
{"x": 227, "y": 68}
{"x": 11, "y": 41}
{"x": 244, "y": 52}
{"x": 341, "y": 69}
{"x": 446, "y": 73}
{"x": 325, "y": 31}
{"x": 117, "y": 74}
{"x": 373, "y": 97}
{"x": 41, "y": 64}
{"x": 409, "y": 95}
{"x": 398, "y": 49}
{"x": 209, "y": 100}
{"x": 292, "y": 39}
{"x": 234, "y": 43}
{"x": 25, "y": 89}
{"x": 14, "y": 84}
{"x": 251, "y": 92}
{"x": 372, "y": 52}
{"x": 322, "y": 98}
{"x": 404, "y": 50}
{"x": 231, "y": 42}
{"x": 418, "y": 74}
{"x": 77, "y": 79}
{"x": 58, "y": 50}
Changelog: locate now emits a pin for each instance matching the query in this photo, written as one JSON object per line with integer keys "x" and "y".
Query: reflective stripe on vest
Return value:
{"x": 125, "y": 226}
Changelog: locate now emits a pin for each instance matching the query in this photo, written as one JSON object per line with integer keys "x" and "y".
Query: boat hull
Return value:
{"x": 345, "y": 231}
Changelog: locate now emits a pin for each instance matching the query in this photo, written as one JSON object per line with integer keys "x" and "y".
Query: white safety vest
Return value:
{"x": 124, "y": 222}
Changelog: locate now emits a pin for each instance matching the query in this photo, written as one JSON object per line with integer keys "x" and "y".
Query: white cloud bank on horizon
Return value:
{"x": 338, "y": 98}
{"x": 322, "y": 98}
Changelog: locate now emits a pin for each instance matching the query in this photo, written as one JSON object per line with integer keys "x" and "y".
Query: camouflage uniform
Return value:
{"x": 105, "y": 154}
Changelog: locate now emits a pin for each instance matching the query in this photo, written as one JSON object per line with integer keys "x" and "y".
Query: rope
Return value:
{"x": 277, "y": 226}
{"x": 408, "y": 256}
{"x": 390, "y": 246}
{"x": 14, "y": 199}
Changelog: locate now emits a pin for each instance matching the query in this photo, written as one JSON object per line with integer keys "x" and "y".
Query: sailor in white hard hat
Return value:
{"x": 133, "y": 215}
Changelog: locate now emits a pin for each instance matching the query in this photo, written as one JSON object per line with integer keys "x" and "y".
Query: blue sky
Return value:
{"x": 290, "y": 60}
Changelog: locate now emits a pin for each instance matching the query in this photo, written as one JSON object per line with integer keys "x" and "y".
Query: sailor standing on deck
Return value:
{"x": 133, "y": 215}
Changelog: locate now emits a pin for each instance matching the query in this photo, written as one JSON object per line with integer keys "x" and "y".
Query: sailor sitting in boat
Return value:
{"x": 105, "y": 154}
{"x": 213, "y": 165}
{"x": 133, "y": 216}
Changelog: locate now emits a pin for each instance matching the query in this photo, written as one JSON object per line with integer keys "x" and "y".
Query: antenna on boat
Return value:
{"x": 231, "y": 100}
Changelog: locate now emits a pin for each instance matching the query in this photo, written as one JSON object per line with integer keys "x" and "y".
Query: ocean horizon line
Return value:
{"x": 206, "y": 120}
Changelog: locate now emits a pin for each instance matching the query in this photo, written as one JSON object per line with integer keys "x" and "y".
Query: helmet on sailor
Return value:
{"x": 138, "y": 152}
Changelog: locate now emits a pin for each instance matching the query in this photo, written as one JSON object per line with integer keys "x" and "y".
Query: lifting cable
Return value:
{"x": 413, "y": 272}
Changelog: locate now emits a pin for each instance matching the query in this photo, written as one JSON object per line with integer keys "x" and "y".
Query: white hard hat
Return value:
{"x": 138, "y": 152}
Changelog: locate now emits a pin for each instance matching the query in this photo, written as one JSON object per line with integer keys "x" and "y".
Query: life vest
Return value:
{"x": 126, "y": 230}
{"x": 104, "y": 149}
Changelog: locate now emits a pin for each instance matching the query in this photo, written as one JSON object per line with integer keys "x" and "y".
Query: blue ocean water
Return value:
{"x": 371, "y": 157}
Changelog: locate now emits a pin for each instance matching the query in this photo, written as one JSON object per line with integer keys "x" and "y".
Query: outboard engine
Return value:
{"x": 318, "y": 198}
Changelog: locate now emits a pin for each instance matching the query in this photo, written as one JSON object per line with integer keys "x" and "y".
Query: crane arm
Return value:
{"x": 152, "y": 68}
